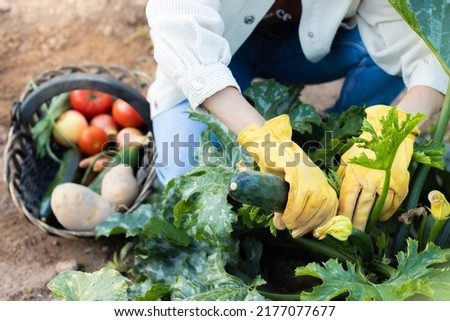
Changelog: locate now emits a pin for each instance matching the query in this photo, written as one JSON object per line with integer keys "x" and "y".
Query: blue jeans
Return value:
{"x": 276, "y": 53}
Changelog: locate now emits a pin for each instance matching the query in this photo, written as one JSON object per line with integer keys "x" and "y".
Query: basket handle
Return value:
{"x": 66, "y": 83}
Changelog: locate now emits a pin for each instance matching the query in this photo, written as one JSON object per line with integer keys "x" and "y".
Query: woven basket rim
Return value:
{"x": 10, "y": 177}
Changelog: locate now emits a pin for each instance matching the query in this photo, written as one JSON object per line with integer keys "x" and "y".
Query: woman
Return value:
{"x": 208, "y": 51}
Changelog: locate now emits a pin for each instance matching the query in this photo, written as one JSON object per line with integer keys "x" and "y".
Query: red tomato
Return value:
{"x": 105, "y": 122}
{"x": 90, "y": 102}
{"x": 92, "y": 140}
{"x": 125, "y": 115}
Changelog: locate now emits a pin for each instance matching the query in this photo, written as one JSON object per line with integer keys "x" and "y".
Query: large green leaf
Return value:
{"x": 222, "y": 133}
{"x": 253, "y": 216}
{"x": 271, "y": 99}
{"x": 431, "y": 21}
{"x": 158, "y": 227}
{"x": 103, "y": 285}
{"x": 392, "y": 134}
{"x": 430, "y": 153}
{"x": 267, "y": 95}
{"x": 130, "y": 224}
{"x": 413, "y": 276}
{"x": 219, "y": 146}
{"x": 304, "y": 117}
{"x": 162, "y": 262}
{"x": 344, "y": 125}
{"x": 203, "y": 211}
{"x": 215, "y": 284}
{"x": 148, "y": 291}
{"x": 339, "y": 129}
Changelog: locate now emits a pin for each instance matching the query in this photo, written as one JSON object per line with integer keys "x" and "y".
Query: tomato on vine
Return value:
{"x": 90, "y": 102}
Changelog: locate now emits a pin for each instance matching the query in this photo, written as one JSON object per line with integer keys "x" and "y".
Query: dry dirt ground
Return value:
{"x": 37, "y": 35}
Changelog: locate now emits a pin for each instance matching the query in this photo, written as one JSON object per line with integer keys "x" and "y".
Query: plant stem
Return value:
{"x": 311, "y": 246}
{"x": 437, "y": 226}
{"x": 441, "y": 127}
{"x": 384, "y": 269}
{"x": 322, "y": 249}
{"x": 420, "y": 232}
{"x": 376, "y": 212}
{"x": 422, "y": 173}
{"x": 438, "y": 135}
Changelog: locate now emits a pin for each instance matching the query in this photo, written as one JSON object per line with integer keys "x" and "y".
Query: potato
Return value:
{"x": 78, "y": 208}
{"x": 119, "y": 186}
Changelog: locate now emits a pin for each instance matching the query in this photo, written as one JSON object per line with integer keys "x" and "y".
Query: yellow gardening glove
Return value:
{"x": 311, "y": 200}
{"x": 361, "y": 186}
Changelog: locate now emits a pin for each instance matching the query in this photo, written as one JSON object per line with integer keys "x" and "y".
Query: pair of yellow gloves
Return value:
{"x": 311, "y": 200}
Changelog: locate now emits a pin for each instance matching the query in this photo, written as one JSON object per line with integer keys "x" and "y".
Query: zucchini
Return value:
{"x": 443, "y": 238}
{"x": 363, "y": 244}
{"x": 267, "y": 191}
{"x": 128, "y": 155}
{"x": 66, "y": 173}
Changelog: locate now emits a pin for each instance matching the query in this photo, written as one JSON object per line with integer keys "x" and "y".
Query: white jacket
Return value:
{"x": 195, "y": 39}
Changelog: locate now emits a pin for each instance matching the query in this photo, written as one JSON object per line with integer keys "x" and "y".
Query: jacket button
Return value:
{"x": 198, "y": 83}
{"x": 249, "y": 19}
{"x": 310, "y": 34}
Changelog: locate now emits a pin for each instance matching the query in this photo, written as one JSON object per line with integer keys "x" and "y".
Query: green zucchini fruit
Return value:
{"x": 363, "y": 244}
{"x": 267, "y": 191}
{"x": 443, "y": 238}
{"x": 66, "y": 173}
{"x": 129, "y": 156}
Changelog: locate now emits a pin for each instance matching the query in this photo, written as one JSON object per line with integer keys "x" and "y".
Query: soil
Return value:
{"x": 39, "y": 35}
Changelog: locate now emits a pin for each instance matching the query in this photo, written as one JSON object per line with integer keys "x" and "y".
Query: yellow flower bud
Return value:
{"x": 440, "y": 208}
{"x": 339, "y": 227}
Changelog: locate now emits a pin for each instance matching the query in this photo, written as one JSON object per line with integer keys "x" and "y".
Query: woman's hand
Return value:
{"x": 311, "y": 202}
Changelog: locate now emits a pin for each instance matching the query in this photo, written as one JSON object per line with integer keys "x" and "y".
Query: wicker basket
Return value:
{"x": 26, "y": 175}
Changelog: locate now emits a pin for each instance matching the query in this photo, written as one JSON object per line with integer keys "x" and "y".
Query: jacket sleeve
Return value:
{"x": 188, "y": 46}
{"x": 396, "y": 48}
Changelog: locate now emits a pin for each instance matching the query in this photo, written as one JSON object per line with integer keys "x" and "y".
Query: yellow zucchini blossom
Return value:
{"x": 440, "y": 208}
{"x": 339, "y": 227}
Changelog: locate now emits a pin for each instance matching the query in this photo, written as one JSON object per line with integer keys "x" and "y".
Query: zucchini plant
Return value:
{"x": 430, "y": 23}
{"x": 195, "y": 243}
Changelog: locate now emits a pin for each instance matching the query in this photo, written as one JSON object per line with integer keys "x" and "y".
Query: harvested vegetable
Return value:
{"x": 42, "y": 130}
{"x": 266, "y": 191}
{"x": 66, "y": 173}
{"x": 129, "y": 156}
{"x": 78, "y": 208}
{"x": 69, "y": 126}
{"x": 92, "y": 140}
{"x": 90, "y": 102}
{"x": 120, "y": 186}
{"x": 128, "y": 136}
{"x": 97, "y": 162}
{"x": 106, "y": 122}
{"x": 126, "y": 115}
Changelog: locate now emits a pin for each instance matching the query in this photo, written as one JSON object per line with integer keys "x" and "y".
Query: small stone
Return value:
{"x": 70, "y": 265}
